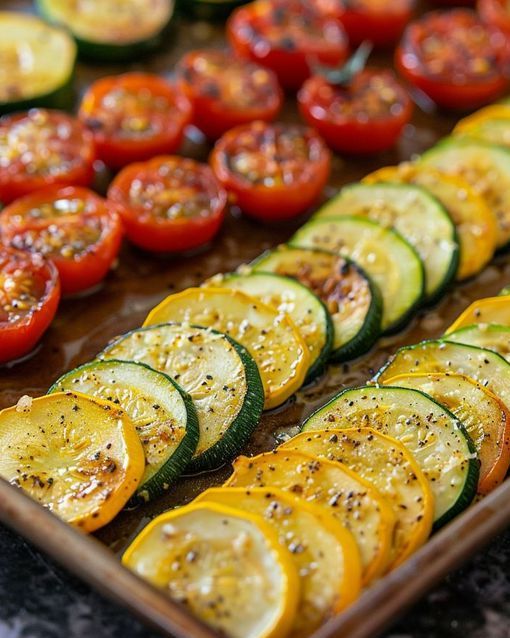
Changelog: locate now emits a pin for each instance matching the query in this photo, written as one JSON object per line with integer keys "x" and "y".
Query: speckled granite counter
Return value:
{"x": 38, "y": 600}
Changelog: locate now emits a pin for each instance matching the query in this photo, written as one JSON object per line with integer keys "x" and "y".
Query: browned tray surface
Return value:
{"x": 85, "y": 325}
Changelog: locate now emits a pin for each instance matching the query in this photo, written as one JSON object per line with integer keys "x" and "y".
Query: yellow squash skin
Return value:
{"x": 390, "y": 468}
{"x": 484, "y": 415}
{"x": 269, "y": 336}
{"x": 353, "y": 501}
{"x": 475, "y": 222}
{"x": 227, "y": 566}
{"x": 490, "y": 124}
{"x": 324, "y": 552}
{"x": 488, "y": 310}
{"x": 80, "y": 457}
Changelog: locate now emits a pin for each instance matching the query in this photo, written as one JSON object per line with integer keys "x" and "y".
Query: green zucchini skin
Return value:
{"x": 209, "y": 10}
{"x": 61, "y": 99}
{"x": 246, "y": 421}
{"x": 431, "y": 208}
{"x": 103, "y": 52}
{"x": 501, "y": 158}
{"x": 304, "y": 238}
{"x": 319, "y": 365}
{"x": 351, "y": 396}
{"x": 369, "y": 332}
{"x": 175, "y": 465}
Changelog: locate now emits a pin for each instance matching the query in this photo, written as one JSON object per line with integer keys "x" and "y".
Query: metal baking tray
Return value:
{"x": 85, "y": 325}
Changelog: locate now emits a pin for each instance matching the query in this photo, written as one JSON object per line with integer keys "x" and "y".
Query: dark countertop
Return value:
{"x": 39, "y": 600}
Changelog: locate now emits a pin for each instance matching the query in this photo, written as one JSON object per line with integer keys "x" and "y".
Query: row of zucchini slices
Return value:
{"x": 184, "y": 393}
{"x": 370, "y": 476}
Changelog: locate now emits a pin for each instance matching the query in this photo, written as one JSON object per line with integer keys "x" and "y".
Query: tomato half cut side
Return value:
{"x": 367, "y": 116}
{"x": 283, "y": 35}
{"x": 169, "y": 204}
{"x": 39, "y": 148}
{"x": 79, "y": 231}
{"x": 226, "y": 92}
{"x": 134, "y": 117}
{"x": 495, "y": 13}
{"x": 274, "y": 171}
{"x": 29, "y": 297}
{"x": 455, "y": 59}
{"x": 379, "y": 21}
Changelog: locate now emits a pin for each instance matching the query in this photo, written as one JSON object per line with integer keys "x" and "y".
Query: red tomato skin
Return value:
{"x": 382, "y": 29}
{"x": 15, "y": 184}
{"x": 291, "y": 67}
{"x": 84, "y": 271}
{"x": 166, "y": 236}
{"x": 215, "y": 118}
{"x": 117, "y": 152}
{"x": 19, "y": 339}
{"x": 494, "y": 13}
{"x": 448, "y": 94}
{"x": 455, "y": 97}
{"x": 269, "y": 204}
{"x": 350, "y": 135}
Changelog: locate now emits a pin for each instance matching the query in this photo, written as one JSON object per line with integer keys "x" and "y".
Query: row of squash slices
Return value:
{"x": 296, "y": 533}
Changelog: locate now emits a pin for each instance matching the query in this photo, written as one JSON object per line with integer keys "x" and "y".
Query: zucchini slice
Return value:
{"x": 486, "y": 167}
{"x": 219, "y": 375}
{"x": 416, "y": 215}
{"x": 352, "y": 500}
{"x": 164, "y": 415}
{"x": 504, "y": 291}
{"x": 270, "y": 337}
{"x": 78, "y": 456}
{"x": 307, "y": 311}
{"x": 386, "y": 464}
{"x": 111, "y": 30}
{"x": 324, "y": 552}
{"x": 475, "y": 222}
{"x": 437, "y": 440}
{"x": 225, "y": 565}
{"x": 484, "y": 416}
{"x": 352, "y": 299}
{"x": 484, "y": 311}
{"x": 384, "y": 255}
{"x": 490, "y": 124}
{"x": 490, "y": 336}
{"x": 484, "y": 366}
{"x": 37, "y": 64}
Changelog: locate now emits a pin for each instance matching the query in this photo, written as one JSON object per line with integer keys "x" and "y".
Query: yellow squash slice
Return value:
{"x": 475, "y": 222}
{"x": 79, "y": 457}
{"x": 225, "y": 565}
{"x": 324, "y": 552}
{"x": 356, "y": 504}
{"x": 490, "y": 124}
{"x": 390, "y": 468}
{"x": 484, "y": 416}
{"x": 269, "y": 336}
{"x": 488, "y": 310}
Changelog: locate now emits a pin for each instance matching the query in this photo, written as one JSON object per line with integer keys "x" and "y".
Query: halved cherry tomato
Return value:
{"x": 226, "y": 92}
{"x": 169, "y": 204}
{"x": 455, "y": 59}
{"x": 495, "y": 13}
{"x": 29, "y": 296}
{"x": 73, "y": 227}
{"x": 379, "y": 21}
{"x": 39, "y": 148}
{"x": 365, "y": 117}
{"x": 274, "y": 171}
{"x": 134, "y": 117}
{"x": 284, "y": 35}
